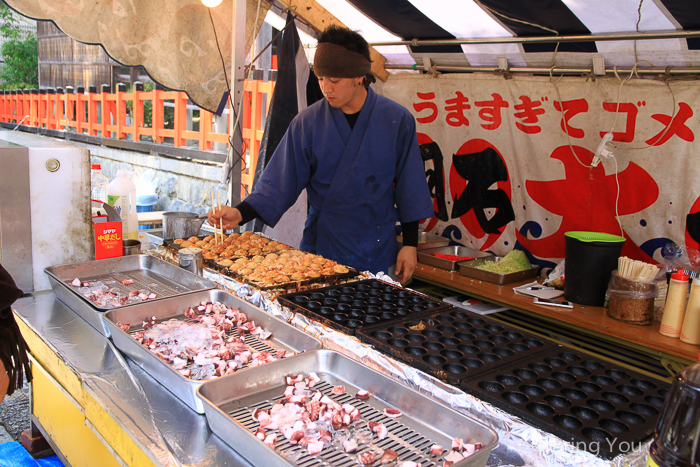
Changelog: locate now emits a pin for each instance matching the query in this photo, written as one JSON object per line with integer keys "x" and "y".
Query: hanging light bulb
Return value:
{"x": 211, "y": 3}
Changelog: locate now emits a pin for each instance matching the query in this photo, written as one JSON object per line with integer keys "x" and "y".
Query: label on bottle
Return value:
{"x": 651, "y": 463}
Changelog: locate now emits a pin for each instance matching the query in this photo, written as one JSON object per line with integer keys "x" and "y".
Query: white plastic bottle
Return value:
{"x": 121, "y": 193}
{"x": 98, "y": 183}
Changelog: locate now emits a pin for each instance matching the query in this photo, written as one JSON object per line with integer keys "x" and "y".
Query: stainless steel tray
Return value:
{"x": 427, "y": 256}
{"x": 148, "y": 272}
{"x": 229, "y": 401}
{"x": 466, "y": 268}
{"x": 284, "y": 336}
{"x": 426, "y": 240}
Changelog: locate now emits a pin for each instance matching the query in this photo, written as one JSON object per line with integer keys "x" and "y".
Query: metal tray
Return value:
{"x": 284, "y": 336}
{"x": 466, "y": 268}
{"x": 229, "y": 401}
{"x": 143, "y": 269}
{"x": 427, "y": 256}
{"x": 426, "y": 240}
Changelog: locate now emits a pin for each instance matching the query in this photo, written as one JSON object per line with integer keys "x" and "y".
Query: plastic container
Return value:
{"x": 590, "y": 259}
{"x": 98, "y": 183}
{"x": 631, "y": 301}
{"x": 145, "y": 203}
{"x": 674, "y": 310}
{"x": 121, "y": 193}
{"x": 690, "y": 332}
{"x": 675, "y": 443}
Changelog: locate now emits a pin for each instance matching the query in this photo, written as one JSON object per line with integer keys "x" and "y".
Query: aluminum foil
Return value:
{"x": 521, "y": 444}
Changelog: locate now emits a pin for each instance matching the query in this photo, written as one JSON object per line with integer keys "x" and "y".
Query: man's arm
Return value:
{"x": 407, "y": 258}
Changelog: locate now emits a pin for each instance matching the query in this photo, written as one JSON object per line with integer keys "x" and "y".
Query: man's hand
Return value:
{"x": 231, "y": 217}
{"x": 4, "y": 381}
{"x": 406, "y": 263}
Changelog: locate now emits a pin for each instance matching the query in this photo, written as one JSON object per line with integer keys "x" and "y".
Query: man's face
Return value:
{"x": 343, "y": 93}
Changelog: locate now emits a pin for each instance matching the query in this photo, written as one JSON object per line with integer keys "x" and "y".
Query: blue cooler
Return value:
{"x": 145, "y": 203}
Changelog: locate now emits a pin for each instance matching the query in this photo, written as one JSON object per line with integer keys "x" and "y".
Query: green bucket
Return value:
{"x": 590, "y": 259}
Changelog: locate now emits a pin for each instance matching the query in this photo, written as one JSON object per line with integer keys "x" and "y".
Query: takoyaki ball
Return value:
{"x": 311, "y": 274}
{"x": 287, "y": 271}
{"x": 208, "y": 238}
{"x": 208, "y": 254}
{"x": 186, "y": 244}
{"x": 255, "y": 236}
{"x": 245, "y": 272}
{"x": 297, "y": 276}
{"x": 283, "y": 247}
{"x": 315, "y": 267}
{"x": 255, "y": 251}
{"x": 234, "y": 236}
{"x": 226, "y": 254}
{"x": 297, "y": 253}
{"x": 327, "y": 272}
{"x": 256, "y": 276}
{"x": 225, "y": 263}
{"x": 240, "y": 253}
{"x": 235, "y": 267}
{"x": 267, "y": 282}
{"x": 200, "y": 244}
{"x": 177, "y": 241}
{"x": 241, "y": 261}
{"x": 285, "y": 255}
{"x": 301, "y": 268}
{"x": 246, "y": 234}
{"x": 269, "y": 248}
{"x": 281, "y": 279}
{"x": 262, "y": 269}
{"x": 218, "y": 248}
{"x": 272, "y": 274}
{"x": 258, "y": 258}
{"x": 340, "y": 269}
{"x": 208, "y": 246}
{"x": 272, "y": 256}
{"x": 193, "y": 239}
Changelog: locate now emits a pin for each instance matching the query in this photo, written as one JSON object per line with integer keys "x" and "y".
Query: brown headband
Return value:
{"x": 335, "y": 61}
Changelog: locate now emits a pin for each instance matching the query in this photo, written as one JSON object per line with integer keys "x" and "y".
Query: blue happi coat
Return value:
{"x": 359, "y": 181}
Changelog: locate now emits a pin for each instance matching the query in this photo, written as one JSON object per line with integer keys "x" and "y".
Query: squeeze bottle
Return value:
{"x": 674, "y": 310}
{"x": 690, "y": 332}
{"x": 121, "y": 193}
{"x": 98, "y": 183}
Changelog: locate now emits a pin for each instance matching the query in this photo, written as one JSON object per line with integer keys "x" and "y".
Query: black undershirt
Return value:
{"x": 408, "y": 229}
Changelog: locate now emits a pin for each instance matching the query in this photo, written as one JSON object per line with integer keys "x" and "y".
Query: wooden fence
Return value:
{"x": 123, "y": 115}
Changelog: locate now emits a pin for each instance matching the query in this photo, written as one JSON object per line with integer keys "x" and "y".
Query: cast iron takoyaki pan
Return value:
{"x": 596, "y": 405}
{"x": 351, "y": 306}
{"x": 453, "y": 344}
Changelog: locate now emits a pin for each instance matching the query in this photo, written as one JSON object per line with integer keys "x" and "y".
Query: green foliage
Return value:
{"x": 19, "y": 52}
{"x": 21, "y": 63}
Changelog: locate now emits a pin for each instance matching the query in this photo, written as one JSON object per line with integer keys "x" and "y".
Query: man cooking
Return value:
{"x": 357, "y": 155}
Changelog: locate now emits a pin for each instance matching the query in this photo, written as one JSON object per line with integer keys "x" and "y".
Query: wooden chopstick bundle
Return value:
{"x": 637, "y": 271}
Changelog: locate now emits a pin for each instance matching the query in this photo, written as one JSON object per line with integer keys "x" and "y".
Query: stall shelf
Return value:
{"x": 585, "y": 324}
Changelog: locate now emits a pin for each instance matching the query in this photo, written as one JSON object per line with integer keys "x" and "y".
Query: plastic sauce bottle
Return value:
{"x": 675, "y": 437}
{"x": 674, "y": 310}
{"x": 121, "y": 193}
{"x": 98, "y": 183}
{"x": 690, "y": 332}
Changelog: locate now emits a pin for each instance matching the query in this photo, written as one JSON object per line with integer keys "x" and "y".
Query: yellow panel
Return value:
{"x": 64, "y": 422}
{"x": 128, "y": 450}
{"x": 48, "y": 359}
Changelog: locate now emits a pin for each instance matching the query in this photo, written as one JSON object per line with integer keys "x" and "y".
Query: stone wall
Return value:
{"x": 181, "y": 185}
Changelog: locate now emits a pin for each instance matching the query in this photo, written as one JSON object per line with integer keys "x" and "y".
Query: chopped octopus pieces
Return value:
{"x": 260, "y": 434}
{"x": 457, "y": 444}
{"x": 392, "y": 413}
{"x": 124, "y": 326}
{"x": 338, "y": 390}
{"x": 128, "y": 281}
{"x": 367, "y": 458}
{"x": 452, "y": 458}
{"x": 388, "y": 457}
{"x": 408, "y": 464}
{"x": 270, "y": 440}
{"x": 362, "y": 395}
{"x": 436, "y": 450}
{"x": 76, "y": 282}
{"x": 315, "y": 447}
